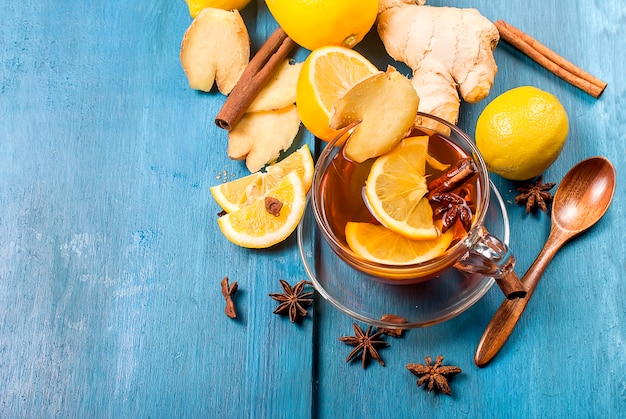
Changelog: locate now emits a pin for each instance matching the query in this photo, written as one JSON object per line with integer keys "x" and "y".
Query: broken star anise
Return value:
{"x": 228, "y": 291}
{"x": 435, "y": 375}
{"x": 365, "y": 344}
{"x": 535, "y": 194}
{"x": 392, "y": 318}
{"x": 452, "y": 208}
{"x": 293, "y": 300}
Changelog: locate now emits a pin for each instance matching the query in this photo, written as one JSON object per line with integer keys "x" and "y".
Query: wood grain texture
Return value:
{"x": 111, "y": 259}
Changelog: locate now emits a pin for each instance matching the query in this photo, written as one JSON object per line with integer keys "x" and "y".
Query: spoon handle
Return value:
{"x": 504, "y": 320}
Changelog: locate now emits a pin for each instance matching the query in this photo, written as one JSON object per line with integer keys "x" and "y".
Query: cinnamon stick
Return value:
{"x": 454, "y": 177}
{"x": 550, "y": 59}
{"x": 256, "y": 75}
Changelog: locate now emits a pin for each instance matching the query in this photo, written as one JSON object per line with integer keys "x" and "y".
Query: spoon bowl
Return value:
{"x": 582, "y": 198}
{"x": 586, "y": 190}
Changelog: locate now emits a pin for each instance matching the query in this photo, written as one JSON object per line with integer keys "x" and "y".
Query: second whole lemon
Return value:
{"x": 317, "y": 23}
{"x": 522, "y": 132}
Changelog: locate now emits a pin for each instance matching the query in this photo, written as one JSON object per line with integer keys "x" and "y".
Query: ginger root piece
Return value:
{"x": 386, "y": 105}
{"x": 215, "y": 49}
{"x": 259, "y": 137}
{"x": 280, "y": 91}
{"x": 450, "y": 51}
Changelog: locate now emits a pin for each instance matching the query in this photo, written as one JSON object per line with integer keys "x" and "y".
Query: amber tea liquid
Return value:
{"x": 342, "y": 187}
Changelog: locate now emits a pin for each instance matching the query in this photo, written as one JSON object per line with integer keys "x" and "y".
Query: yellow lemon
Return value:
{"x": 395, "y": 190}
{"x": 243, "y": 191}
{"x": 522, "y": 132}
{"x": 379, "y": 244}
{"x": 317, "y": 23}
{"x": 326, "y": 75}
{"x": 270, "y": 219}
{"x": 195, "y": 6}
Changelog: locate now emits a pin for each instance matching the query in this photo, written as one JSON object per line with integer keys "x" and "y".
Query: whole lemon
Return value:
{"x": 522, "y": 132}
{"x": 196, "y": 6}
{"x": 317, "y": 23}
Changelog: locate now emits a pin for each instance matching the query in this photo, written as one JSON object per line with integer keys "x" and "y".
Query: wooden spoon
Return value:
{"x": 581, "y": 199}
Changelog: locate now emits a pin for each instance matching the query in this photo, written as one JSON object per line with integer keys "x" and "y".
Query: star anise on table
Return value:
{"x": 293, "y": 300}
{"x": 452, "y": 208}
{"x": 392, "y": 318}
{"x": 228, "y": 291}
{"x": 435, "y": 375}
{"x": 365, "y": 344}
{"x": 535, "y": 194}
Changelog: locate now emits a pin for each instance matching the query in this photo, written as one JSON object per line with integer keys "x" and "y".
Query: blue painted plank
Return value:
{"x": 567, "y": 355}
{"x": 110, "y": 257}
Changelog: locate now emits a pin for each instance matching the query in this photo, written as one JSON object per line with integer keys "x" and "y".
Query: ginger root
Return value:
{"x": 450, "y": 51}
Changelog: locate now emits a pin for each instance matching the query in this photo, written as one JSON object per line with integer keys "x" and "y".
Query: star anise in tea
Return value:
{"x": 452, "y": 208}
{"x": 535, "y": 194}
{"x": 435, "y": 375}
{"x": 293, "y": 300}
{"x": 365, "y": 344}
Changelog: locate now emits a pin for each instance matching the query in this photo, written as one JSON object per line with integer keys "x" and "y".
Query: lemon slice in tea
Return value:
{"x": 396, "y": 190}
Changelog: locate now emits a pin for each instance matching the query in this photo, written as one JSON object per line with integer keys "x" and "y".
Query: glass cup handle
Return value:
{"x": 490, "y": 257}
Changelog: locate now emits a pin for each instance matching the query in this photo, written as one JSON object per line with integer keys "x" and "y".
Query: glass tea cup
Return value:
{"x": 477, "y": 252}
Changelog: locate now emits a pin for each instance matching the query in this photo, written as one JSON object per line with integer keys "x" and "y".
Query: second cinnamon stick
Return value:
{"x": 550, "y": 59}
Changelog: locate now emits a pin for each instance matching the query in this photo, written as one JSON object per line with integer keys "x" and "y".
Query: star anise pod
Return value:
{"x": 452, "y": 208}
{"x": 293, "y": 300}
{"x": 435, "y": 375}
{"x": 228, "y": 291}
{"x": 365, "y": 344}
{"x": 535, "y": 194}
{"x": 392, "y": 318}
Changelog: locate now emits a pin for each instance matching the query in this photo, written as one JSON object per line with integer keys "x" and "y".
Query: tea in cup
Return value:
{"x": 458, "y": 193}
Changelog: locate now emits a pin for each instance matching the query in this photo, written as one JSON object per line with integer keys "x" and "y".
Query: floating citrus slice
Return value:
{"x": 243, "y": 191}
{"x": 396, "y": 187}
{"x": 379, "y": 244}
{"x": 269, "y": 219}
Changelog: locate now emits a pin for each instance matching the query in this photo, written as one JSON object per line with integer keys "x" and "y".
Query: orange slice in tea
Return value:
{"x": 379, "y": 244}
{"x": 241, "y": 192}
{"x": 269, "y": 219}
{"x": 396, "y": 187}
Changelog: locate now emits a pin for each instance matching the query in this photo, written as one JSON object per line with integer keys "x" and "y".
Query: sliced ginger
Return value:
{"x": 385, "y": 104}
{"x": 259, "y": 137}
{"x": 215, "y": 49}
{"x": 280, "y": 91}
{"x": 270, "y": 123}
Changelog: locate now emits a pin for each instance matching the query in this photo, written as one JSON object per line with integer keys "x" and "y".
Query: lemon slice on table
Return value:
{"x": 379, "y": 244}
{"x": 326, "y": 75}
{"x": 396, "y": 190}
{"x": 270, "y": 219}
{"x": 243, "y": 191}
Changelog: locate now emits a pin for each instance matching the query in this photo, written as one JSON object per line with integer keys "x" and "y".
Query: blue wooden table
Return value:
{"x": 111, "y": 258}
